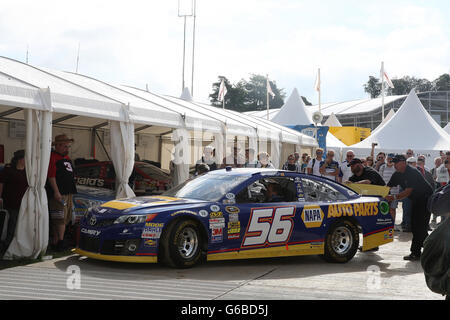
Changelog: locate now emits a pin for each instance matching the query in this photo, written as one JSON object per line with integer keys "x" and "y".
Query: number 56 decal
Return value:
{"x": 269, "y": 226}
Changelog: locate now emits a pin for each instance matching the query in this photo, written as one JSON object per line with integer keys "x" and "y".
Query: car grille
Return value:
{"x": 108, "y": 247}
{"x": 89, "y": 244}
{"x": 120, "y": 247}
{"x": 104, "y": 223}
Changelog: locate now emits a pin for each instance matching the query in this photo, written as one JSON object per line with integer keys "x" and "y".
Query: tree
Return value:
{"x": 405, "y": 84}
{"x": 373, "y": 87}
{"x": 257, "y": 93}
{"x": 234, "y": 99}
{"x": 442, "y": 83}
{"x": 248, "y": 95}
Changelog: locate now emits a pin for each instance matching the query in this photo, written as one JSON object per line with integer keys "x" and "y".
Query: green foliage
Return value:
{"x": 373, "y": 87}
{"x": 248, "y": 95}
{"x": 404, "y": 85}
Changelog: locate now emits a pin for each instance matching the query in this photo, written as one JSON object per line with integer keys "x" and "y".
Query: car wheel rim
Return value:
{"x": 187, "y": 243}
{"x": 341, "y": 240}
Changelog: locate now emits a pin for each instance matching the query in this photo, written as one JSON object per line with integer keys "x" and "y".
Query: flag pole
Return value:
{"x": 267, "y": 94}
{"x": 318, "y": 76}
{"x": 382, "y": 90}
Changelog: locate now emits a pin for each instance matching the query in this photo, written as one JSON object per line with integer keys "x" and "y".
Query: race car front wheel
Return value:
{"x": 341, "y": 242}
{"x": 182, "y": 244}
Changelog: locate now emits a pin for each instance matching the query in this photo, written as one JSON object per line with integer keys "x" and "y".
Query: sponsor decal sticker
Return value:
{"x": 94, "y": 233}
{"x": 384, "y": 207}
{"x": 214, "y": 208}
{"x": 203, "y": 213}
{"x": 183, "y": 212}
{"x": 312, "y": 216}
{"x": 356, "y": 209}
{"x": 232, "y": 209}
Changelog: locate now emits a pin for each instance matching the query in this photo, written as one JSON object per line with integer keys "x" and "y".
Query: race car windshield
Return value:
{"x": 207, "y": 187}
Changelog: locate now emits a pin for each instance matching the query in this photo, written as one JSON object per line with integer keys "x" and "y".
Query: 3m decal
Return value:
{"x": 268, "y": 226}
{"x": 312, "y": 216}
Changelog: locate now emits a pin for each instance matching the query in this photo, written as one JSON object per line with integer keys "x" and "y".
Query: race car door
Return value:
{"x": 268, "y": 213}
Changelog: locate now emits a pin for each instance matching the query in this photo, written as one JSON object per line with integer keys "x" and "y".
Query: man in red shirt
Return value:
{"x": 61, "y": 188}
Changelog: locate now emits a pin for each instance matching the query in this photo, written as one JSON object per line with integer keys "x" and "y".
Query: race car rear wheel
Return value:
{"x": 341, "y": 242}
{"x": 182, "y": 244}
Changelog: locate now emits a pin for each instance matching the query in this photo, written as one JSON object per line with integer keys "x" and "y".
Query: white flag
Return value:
{"x": 269, "y": 89}
{"x": 388, "y": 81}
{"x": 317, "y": 83}
{"x": 222, "y": 91}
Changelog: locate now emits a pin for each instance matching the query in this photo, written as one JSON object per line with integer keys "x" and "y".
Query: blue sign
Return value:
{"x": 318, "y": 133}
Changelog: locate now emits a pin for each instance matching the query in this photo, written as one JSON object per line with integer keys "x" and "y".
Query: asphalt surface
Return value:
{"x": 381, "y": 275}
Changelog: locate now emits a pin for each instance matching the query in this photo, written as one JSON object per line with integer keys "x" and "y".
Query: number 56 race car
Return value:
{"x": 237, "y": 214}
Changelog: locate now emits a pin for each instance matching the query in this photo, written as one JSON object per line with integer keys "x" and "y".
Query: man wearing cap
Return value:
{"x": 60, "y": 188}
{"x": 365, "y": 175}
{"x": 418, "y": 190}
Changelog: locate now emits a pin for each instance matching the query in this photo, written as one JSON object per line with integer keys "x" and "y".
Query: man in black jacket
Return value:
{"x": 418, "y": 190}
{"x": 365, "y": 175}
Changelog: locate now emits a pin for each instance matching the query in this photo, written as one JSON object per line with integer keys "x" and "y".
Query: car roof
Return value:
{"x": 246, "y": 171}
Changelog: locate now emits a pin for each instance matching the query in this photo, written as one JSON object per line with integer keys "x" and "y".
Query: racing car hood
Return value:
{"x": 131, "y": 205}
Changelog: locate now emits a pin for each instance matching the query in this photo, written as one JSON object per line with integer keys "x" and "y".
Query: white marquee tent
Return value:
{"x": 294, "y": 112}
{"x": 332, "y": 121}
{"x": 410, "y": 127}
{"x": 447, "y": 128}
{"x": 45, "y": 97}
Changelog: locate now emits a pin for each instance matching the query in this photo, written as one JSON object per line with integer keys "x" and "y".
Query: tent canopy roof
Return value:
{"x": 80, "y": 100}
{"x": 410, "y": 127}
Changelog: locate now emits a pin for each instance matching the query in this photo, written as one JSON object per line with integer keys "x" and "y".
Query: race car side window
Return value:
{"x": 315, "y": 191}
{"x": 273, "y": 189}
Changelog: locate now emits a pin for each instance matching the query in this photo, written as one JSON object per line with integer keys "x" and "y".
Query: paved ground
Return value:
{"x": 376, "y": 275}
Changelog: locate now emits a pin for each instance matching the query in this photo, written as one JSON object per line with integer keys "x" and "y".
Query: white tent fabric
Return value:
{"x": 293, "y": 112}
{"x": 31, "y": 235}
{"x": 186, "y": 95}
{"x": 332, "y": 121}
{"x": 386, "y": 119}
{"x": 447, "y": 128}
{"x": 410, "y": 127}
{"x": 122, "y": 141}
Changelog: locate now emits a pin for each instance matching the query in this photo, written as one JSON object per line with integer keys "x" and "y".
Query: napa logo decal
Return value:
{"x": 312, "y": 216}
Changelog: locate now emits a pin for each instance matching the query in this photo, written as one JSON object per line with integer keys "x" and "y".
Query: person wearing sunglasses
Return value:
{"x": 329, "y": 168}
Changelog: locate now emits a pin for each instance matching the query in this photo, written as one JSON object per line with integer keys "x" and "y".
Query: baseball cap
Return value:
{"x": 411, "y": 159}
{"x": 390, "y": 155}
{"x": 354, "y": 161}
{"x": 398, "y": 158}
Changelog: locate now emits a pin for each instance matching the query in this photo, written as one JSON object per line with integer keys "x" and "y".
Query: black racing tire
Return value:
{"x": 341, "y": 242}
{"x": 182, "y": 244}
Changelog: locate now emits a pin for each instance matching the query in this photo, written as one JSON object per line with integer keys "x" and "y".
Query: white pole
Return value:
{"x": 382, "y": 90}
{"x": 320, "y": 89}
{"x": 193, "y": 48}
{"x": 78, "y": 57}
{"x": 267, "y": 89}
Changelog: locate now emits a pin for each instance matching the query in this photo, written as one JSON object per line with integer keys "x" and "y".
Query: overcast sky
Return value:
{"x": 140, "y": 43}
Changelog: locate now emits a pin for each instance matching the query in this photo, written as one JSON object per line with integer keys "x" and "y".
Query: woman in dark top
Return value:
{"x": 13, "y": 184}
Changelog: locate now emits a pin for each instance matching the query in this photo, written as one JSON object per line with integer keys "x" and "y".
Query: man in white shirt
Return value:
{"x": 346, "y": 171}
{"x": 314, "y": 165}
